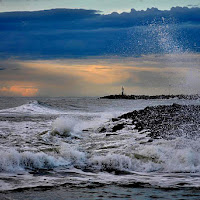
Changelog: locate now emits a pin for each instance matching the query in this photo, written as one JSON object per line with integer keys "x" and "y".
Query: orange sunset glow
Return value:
{"x": 98, "y": 76}
{"x": 20, "y": 91}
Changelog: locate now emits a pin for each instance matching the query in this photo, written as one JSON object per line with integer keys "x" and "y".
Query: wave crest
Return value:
{"x": 112, "y": 162}
{"x": 12, "y": 161}
{"x": 33, "y": 107}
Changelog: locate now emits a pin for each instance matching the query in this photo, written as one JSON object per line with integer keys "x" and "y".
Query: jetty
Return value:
{"x": 147, "y": 97}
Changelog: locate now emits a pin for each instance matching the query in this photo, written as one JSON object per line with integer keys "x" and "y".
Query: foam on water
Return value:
{"x": 179, "y": 155}
{"x": 63, "y": 126}
{"x": 76, "y": 157}
{"x": 74, "y": 125}
{"x": 33, "y": 107}
{"x": 112, "y": 162}
{"x": 132, "y": 151}
{"x": 161, "y": 157}
{"x": 72, "y": 141}
{"x": 13, "y": 160}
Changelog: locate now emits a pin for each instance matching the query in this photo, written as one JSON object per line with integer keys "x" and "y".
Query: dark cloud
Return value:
{"x": 71, "y": 33}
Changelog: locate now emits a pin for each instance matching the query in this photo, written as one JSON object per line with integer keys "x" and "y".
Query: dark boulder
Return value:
{"x": 117, "y": 127}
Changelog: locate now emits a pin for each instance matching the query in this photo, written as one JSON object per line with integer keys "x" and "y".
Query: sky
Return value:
{"x": 76, "y": 50}
{"x": 106, "y": 6}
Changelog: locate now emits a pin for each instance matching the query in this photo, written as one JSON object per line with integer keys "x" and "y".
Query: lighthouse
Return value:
{"x": 122, "y": 91}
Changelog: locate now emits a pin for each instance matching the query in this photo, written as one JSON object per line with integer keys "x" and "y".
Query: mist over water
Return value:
{"x": 173, "y": 44}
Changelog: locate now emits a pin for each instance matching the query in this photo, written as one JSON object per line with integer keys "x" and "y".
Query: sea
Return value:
{"x": 52, "y": 149}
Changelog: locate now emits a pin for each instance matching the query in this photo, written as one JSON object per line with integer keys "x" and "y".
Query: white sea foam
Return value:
{"x": 74, "y": 125}
{"x": 33, "y": 107}
{"x": 151, "y": 159}
{"x": 71, "y": 153}
{"x": 120, "y": 153}
{"x": 112, "y": 162}
{"x": 171, "y": 159}
{"x": 180, "y": 155}
{"x": 12, "y": 160}
{"x": 63, "y": 126}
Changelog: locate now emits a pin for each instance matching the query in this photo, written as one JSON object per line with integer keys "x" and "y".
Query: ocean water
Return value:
{"x": 51, "y": 148}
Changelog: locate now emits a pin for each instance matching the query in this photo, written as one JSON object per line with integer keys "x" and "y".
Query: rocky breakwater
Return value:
{"x": 147, "y": 97}
{"x": 167, "y": 122}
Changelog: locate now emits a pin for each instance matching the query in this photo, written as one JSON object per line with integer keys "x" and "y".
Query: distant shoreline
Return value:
{"x": 136, "y": 97}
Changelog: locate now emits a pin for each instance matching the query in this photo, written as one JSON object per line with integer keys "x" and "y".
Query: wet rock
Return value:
{"x": 117, "y": 127}
{"x": 139, "y": 126}
{"x": 135, "y": 97}
{"x": 167, "y": 121}
{"x": 110, "y": 134}
{"x": 115, "y": 119}
{"x": 87, "y": 130}
{"x": 43, "y": 133}
{"x": 102, "y": 130}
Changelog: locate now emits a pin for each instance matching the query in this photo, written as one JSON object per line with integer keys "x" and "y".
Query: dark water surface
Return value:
{"x": 103, "y": 193}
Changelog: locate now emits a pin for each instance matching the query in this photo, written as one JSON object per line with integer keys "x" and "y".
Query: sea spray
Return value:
{"x": 160, "y": 156}
{"x": 32, "y": 108}
{"x": 74, "y": 126}
{"x": 12, "y": 160}
{"x": 69, "y": 156}
{"x": 76, "y": 157}
{"x": 63, "y": 127}
{"x": 112, "y": 162}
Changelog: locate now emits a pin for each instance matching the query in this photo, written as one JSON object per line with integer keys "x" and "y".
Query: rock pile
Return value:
{"x": 166, "y": 122}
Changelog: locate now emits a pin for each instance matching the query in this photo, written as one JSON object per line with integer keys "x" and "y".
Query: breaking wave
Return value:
{"x": 12, "y": 160}
{"x": 183, "y": 156}
{"x": 177, "y": 155}
{"x": 112, "y": 162}
{"x": 63, "y": 127}
{"x": 33, "y": 107}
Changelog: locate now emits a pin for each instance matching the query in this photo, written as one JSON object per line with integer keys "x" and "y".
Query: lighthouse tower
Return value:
{"x": 122, "y": 91}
